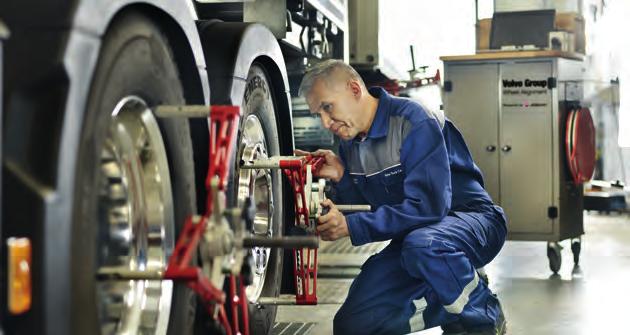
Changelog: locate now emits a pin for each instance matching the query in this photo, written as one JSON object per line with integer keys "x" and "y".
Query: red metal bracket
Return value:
{"x": 238, "y": 302}
{"x": 224, "y": 121}
{"x": 179, "y": 267}
{"x": 305, "y": 264}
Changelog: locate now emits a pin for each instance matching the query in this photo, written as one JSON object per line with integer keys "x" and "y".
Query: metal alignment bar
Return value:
{"x": 188, "y": 111}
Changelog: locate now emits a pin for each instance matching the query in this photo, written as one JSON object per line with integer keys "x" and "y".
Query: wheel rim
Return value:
{"x": 136, "y": 221}
{"x": 256, "y": 184}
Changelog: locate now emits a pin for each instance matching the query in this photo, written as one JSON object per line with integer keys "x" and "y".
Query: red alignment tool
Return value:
{"x": 224, "y": 122}
{"x": 299, "y": 173}
{"x": 308, "y": 196}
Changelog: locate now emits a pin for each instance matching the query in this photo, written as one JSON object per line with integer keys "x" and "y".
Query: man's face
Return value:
{"x": 337, "y": 102}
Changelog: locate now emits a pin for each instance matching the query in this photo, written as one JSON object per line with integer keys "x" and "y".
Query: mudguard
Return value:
{"x": 230, "y": 48}
{"x": 50, "y": 62}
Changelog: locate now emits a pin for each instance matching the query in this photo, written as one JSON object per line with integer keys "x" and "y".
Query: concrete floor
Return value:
{"x": 589, "y": 299}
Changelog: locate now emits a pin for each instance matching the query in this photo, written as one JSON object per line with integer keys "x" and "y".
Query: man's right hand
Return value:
{"x": 332, "y": 168}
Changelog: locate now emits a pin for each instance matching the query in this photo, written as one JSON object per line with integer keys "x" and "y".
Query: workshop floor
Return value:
{"x": 589, "y": 299}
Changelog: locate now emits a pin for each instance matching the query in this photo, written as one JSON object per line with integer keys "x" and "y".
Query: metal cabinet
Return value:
{"x": 511, "y": 109}
{"x": 525, "y": 159}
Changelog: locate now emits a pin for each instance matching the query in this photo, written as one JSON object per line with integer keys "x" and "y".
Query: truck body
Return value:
{"x": 65, "y": 61}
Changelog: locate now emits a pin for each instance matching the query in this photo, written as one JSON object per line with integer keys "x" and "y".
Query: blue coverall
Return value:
{"x": 417, "y": 173}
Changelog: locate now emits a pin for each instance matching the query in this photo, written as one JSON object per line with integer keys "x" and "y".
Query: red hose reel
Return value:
{"x": 580, "y": 145}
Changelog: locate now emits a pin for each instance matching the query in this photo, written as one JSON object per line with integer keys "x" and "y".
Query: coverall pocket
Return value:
{"x": 394, "y": 186}
{"x": 473, "y": 222}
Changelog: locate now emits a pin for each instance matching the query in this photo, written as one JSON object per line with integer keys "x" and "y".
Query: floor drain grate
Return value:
{"x": 292, "y": 328}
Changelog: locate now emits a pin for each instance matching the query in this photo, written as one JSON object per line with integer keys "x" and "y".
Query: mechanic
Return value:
{"x": 414, "y": 168}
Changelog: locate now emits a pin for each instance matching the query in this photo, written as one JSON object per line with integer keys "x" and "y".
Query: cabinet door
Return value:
{"x": 472, "y": 104}
{"x": 526, "y": 146}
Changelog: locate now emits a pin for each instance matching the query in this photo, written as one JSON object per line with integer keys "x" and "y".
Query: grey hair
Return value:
{"x": 324, "y": 70}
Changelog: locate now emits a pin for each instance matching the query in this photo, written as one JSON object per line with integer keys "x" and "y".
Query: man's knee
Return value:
{"x": 416, "y": 260}
{"x": 420, "y": 249}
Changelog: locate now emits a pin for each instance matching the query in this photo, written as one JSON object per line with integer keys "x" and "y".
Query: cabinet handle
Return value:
{"x": 491, "y": 148}
{"x": 506, "y": 148}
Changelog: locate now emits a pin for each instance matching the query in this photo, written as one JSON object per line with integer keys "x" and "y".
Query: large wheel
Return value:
{"x": 258, "y": 138}
{"x": 134, "y": 187}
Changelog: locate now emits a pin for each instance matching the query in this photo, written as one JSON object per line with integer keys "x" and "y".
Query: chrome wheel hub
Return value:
{"x": 257, "y": 185}
{"x": 136, "y": 221}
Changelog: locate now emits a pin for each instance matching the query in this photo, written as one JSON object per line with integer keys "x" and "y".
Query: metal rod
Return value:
{"x": 118, "y": 273}
{"x": 283, "y": 299}
{"x": 285, "y": 242}
{"x": 186, "y": 111}
{"x": 413, "y": 58}
{"x": 288, "y": 299}
{"x": 261, "y": 165}
{"x": 273, "y": 162}
{"x": 354, "y": 208}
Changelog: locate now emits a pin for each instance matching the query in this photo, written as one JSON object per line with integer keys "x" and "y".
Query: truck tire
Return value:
{"x": 259, "y": 129}
{"x": 134, "y": 187}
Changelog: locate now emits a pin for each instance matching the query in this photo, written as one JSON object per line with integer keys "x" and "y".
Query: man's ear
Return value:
{"x": 355, "y": 88}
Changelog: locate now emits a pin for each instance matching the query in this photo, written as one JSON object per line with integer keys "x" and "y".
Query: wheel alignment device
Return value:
{"x": 214, "y": 236}
{"x": 308, "y": 196}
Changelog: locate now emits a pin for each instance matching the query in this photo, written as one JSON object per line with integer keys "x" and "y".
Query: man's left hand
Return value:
{"x": 333, "y": 225}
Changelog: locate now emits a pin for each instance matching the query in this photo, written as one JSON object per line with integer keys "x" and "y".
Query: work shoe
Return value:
{"x": 456, "y": 328}
{"x": 500, "y": 327}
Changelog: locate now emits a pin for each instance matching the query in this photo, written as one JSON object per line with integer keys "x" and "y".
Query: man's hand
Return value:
{"x": 332, "y": 168}
{"x": 333, "y": 225}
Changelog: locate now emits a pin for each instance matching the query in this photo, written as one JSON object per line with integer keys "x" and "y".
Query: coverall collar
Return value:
{"x": 380, "y": 124}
